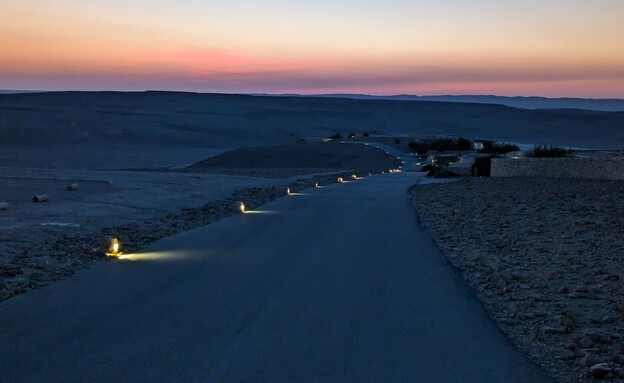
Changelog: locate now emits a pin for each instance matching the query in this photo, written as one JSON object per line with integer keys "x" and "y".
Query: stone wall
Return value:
{"x": 607, "y": 169}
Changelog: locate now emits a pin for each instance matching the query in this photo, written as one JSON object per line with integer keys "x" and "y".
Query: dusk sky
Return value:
{"x": 509, "y": 47}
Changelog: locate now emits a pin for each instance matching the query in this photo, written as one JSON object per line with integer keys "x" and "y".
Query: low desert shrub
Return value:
{"x": 464, "y": 143}
{"x": 440, "y": 145}
{"x": 491, "y": 147}
{"x": 549, "y": 151}
{"x": 438, "y": 172}
{"x": 419, "y": 147}
{"x": 335, "y": 136}
{"x": 444, "y": 144}
{"x": 447, "y": 144}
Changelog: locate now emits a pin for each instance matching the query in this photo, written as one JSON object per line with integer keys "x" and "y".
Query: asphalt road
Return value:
{"x": 408, "y": 161}
{"x": 337, "y": 285}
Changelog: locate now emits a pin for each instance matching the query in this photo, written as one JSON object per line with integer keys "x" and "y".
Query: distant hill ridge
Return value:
{"x": 604, "y": 105}
{"x": 216, "y": 122}
{"x": 532, "y": 102}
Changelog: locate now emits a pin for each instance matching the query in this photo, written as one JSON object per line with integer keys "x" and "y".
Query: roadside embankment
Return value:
{"x": 53, "y": 256}
{"x": 546, "y": 256}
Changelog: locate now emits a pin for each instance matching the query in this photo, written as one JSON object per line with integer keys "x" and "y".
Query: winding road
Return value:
{"x": 337, "y": 284}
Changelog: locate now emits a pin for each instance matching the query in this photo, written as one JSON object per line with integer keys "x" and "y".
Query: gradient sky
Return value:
{"x": 504, "y": 47}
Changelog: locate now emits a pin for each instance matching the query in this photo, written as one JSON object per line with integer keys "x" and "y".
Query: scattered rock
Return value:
{"x": 590, "y": 359}
{"x": 618, "y": 358}
{"x": 586, "y": 342}
{"x": 37, "y": 276}
{"x": 598, "y": 336}
{"x": 601, "y": 370}
{"x": 10, "y": 270}
{"x": 560, "y": 256}
{"x": 553, "y": 330}
{"x": 577, "y": 295}
{"x": 565, "y": 354}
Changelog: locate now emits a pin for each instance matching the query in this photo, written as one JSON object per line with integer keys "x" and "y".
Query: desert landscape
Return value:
{"x": 548, "y": 272}
{"x": 379, "y": 191}
{"x": 41, "y": 242}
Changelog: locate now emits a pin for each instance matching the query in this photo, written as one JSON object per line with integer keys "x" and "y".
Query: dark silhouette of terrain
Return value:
{"x": 82, "y": 128}
{"x": 604, "y": 104}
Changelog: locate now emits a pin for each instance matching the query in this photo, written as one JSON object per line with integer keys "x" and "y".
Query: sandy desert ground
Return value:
{"x": 546, "y": 258}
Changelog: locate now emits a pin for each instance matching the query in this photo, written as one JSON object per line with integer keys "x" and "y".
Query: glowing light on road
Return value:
{"x": 155, "y": 256}
{"x": 297, "y": 194}
{"x": 340, "y": 179}
{"x": 112, "y": 247}
{"x": 243, "y": 209}
{"x": 288, "y": 191}
{"x": 354, "y": 176}
{"x": 316, "y": 185}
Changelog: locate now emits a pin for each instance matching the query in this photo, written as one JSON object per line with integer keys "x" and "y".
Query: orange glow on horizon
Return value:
{"x": 477, "y": 48}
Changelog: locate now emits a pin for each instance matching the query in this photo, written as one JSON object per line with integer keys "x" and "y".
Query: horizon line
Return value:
{"x": 338, "y": 95}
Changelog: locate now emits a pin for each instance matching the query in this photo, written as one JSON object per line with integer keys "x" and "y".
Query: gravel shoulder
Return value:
{"x": 546, "y": 257}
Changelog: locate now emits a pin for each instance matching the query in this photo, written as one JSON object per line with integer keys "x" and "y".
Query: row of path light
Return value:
{"x": 112, "y": 246}
{"x": 241, "y": 205}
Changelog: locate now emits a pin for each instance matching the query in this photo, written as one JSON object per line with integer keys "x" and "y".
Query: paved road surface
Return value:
{"x": 339, "y": 285}
{"x": 409, "y": 161}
